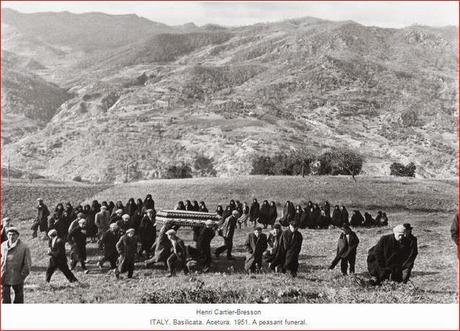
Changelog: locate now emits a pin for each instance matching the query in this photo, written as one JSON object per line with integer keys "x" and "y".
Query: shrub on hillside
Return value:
{"x": 335, "y": 162}
{"x": 77, "y": 179}
{"x": 262, "y": 165}
{"x": 204, "y": 166}
{"x": 398, "y": 169}
{"x": 179, "y": 171}
{"x": 340, "y": 162}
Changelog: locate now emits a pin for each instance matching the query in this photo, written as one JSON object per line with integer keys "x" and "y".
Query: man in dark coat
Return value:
{"x": 385, "y": 260}
{"x": 147, "y": 232}
{"x": 108, "y": 243}
{"x": 254, "y": 212}
{"x": 58, "y": 259}
{"x": 77, "y": 240}
{"x": 127, "y": 249}
{"x": 125, "y": 224}
{"x": 116, "y": 216}
{"x": 227, "y": 231}
{"x": 255, "y": 244}
{"x": 273, "y": 242}
{"x": 207, "y": 233}
{"x": 346, "y": 250}
{"x": 287, "y": 258}
{"x": 41, "y": 221}
{"x": 411, "y": 249}
{"x": 178, "y": 254}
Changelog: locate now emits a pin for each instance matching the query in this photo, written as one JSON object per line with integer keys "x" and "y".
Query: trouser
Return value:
{"x": 18, "y": 293}
{"x": 228, "y": 245}
{"x": 205, "y": 257}
{"x": 78, "y": 256}
{"x": 349, "y": 260}
{"x": 111, "y": 259}
{"x": 64, "y": 268}
{"x": 174, "y": 262}
{"x": 126, "y": 266}
{"x": 406, "y": 274}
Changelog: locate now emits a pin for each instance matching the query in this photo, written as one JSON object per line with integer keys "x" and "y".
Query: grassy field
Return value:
{"x": 428, "y": 205}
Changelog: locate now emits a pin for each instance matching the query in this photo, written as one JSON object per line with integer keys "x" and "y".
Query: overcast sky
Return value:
{"x": 384, "y": 14}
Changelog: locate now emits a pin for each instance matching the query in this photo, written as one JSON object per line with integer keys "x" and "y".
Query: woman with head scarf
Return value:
{"x": 111, "y": 207}
{"x": 288, "y": 213}
{"x": 254, "y": 212}
{"x": 91, "y": 228}
{"x": 219, "y": 210}
{"x": 203, "y": 207}
{"x": 344, "y": 214}
{"x": 264, "y": 214}
{"x": 131, "y": 207}
{"x": 196, "y": 206}
{"x": 95, "y": 207}
{"x": 188, "y": 205}
{"x": 148, "y": 203}
{"x": 180, "y": 206}
{"x": 336, "y": 216}
{"x": 297, "y": 216}
{"x": 272, "y": 214}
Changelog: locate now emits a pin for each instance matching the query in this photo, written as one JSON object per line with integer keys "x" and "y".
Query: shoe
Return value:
{"x": 117, "y": 274}
{"x": 230, "y": 258}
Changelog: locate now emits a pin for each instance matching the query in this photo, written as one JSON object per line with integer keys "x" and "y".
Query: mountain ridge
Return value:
{"x": 253, "y": 90}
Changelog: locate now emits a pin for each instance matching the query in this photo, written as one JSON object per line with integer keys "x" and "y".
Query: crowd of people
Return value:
{"x": 128, "y": 233}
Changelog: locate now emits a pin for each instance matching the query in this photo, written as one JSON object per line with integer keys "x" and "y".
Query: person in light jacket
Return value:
{"x": 16, "y": 264}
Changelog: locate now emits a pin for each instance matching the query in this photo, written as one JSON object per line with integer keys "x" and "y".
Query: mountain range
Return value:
{"x": 91, "y": 94}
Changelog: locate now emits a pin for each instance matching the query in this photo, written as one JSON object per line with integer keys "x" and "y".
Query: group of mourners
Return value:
{"x": 127, "y": 234}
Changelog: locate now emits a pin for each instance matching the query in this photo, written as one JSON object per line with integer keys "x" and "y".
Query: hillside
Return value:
{"x": 28, "y": 101}
{"x": 233, "y": 93}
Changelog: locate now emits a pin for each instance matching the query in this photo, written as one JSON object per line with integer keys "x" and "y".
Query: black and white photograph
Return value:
{"x": 229, "y": 152}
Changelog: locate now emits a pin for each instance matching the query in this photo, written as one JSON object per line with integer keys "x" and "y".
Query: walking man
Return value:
{"x": 58, "y": 259}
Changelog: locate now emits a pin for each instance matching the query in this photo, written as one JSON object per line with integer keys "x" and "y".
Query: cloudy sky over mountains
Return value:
{"x": 384, "y": 14}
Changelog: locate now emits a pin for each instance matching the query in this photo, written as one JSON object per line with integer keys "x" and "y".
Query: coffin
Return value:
{"x": 186, "y": 218}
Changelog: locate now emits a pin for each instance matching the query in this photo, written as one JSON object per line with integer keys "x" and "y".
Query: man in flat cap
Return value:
{"x": 102, "y": 221}
{"x": 75, "y": 222}
{"x": 411, "y": 251}
{"x": 385, "y": 260}
{"x": 127, "y": 248}
{"x": 41, "y": 221}
{"x": 108, "y": 243}
{"x": 116, "y": 216}
{"x": 77, "y": 241}
{"x": 125, "y": 224}
{"x": 16, "y": 264}
{"x": 227, "y": 230}
{"x": 58, "y": 259}
{"x": 178, "y": 255}
{"x": 256, "y": 244}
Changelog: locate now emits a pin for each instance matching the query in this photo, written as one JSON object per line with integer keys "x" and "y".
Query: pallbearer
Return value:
{"x": 126, "y": 247}
{"x": 287, "y": 257}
